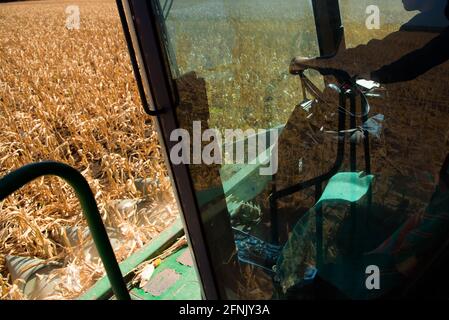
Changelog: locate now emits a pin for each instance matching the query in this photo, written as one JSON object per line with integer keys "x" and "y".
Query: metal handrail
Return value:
{"x": 18, "y": 178}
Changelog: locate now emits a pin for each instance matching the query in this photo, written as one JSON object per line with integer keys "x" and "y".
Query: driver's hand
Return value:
{"x": 300, "y": 64}
{"x": 325, "y": 66}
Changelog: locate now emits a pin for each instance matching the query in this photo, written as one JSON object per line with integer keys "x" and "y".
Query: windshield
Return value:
{"x": 329, "y": 173}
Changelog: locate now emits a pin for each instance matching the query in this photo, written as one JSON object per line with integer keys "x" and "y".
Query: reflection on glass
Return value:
{"x": 360, "y": 180}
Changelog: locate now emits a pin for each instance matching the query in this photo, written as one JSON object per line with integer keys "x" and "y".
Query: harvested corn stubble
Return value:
{"x": 70, "y": 96}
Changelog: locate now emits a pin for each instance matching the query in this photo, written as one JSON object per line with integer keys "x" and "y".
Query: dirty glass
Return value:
{"x": 357, "y": 199}
{"x": 357, "y": 13}
{"x": 241, "y": 49}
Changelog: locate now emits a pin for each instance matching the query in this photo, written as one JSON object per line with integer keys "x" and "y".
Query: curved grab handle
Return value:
{"x": 18, "y": 178}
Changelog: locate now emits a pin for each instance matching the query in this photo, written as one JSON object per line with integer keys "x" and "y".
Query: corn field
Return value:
{"x": 69, "y": 96}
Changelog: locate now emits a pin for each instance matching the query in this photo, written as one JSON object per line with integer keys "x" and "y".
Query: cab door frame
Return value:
{"x": 141, "y": 26}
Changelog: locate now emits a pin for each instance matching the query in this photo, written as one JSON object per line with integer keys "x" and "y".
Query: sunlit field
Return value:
{"x": 70, "y": 96}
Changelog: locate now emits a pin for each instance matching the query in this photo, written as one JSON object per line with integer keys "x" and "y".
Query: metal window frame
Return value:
{"x": 329, "y": 27}
{"x": 154, "y": 69}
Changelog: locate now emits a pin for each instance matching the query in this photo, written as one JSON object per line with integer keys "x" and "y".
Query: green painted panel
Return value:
{"x": 186, "y": 287}
{"x": 347, "y": 186}
{"x": 102, "y": 288}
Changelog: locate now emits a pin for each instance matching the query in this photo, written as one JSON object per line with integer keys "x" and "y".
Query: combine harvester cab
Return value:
{"x": 316, "y": 173}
